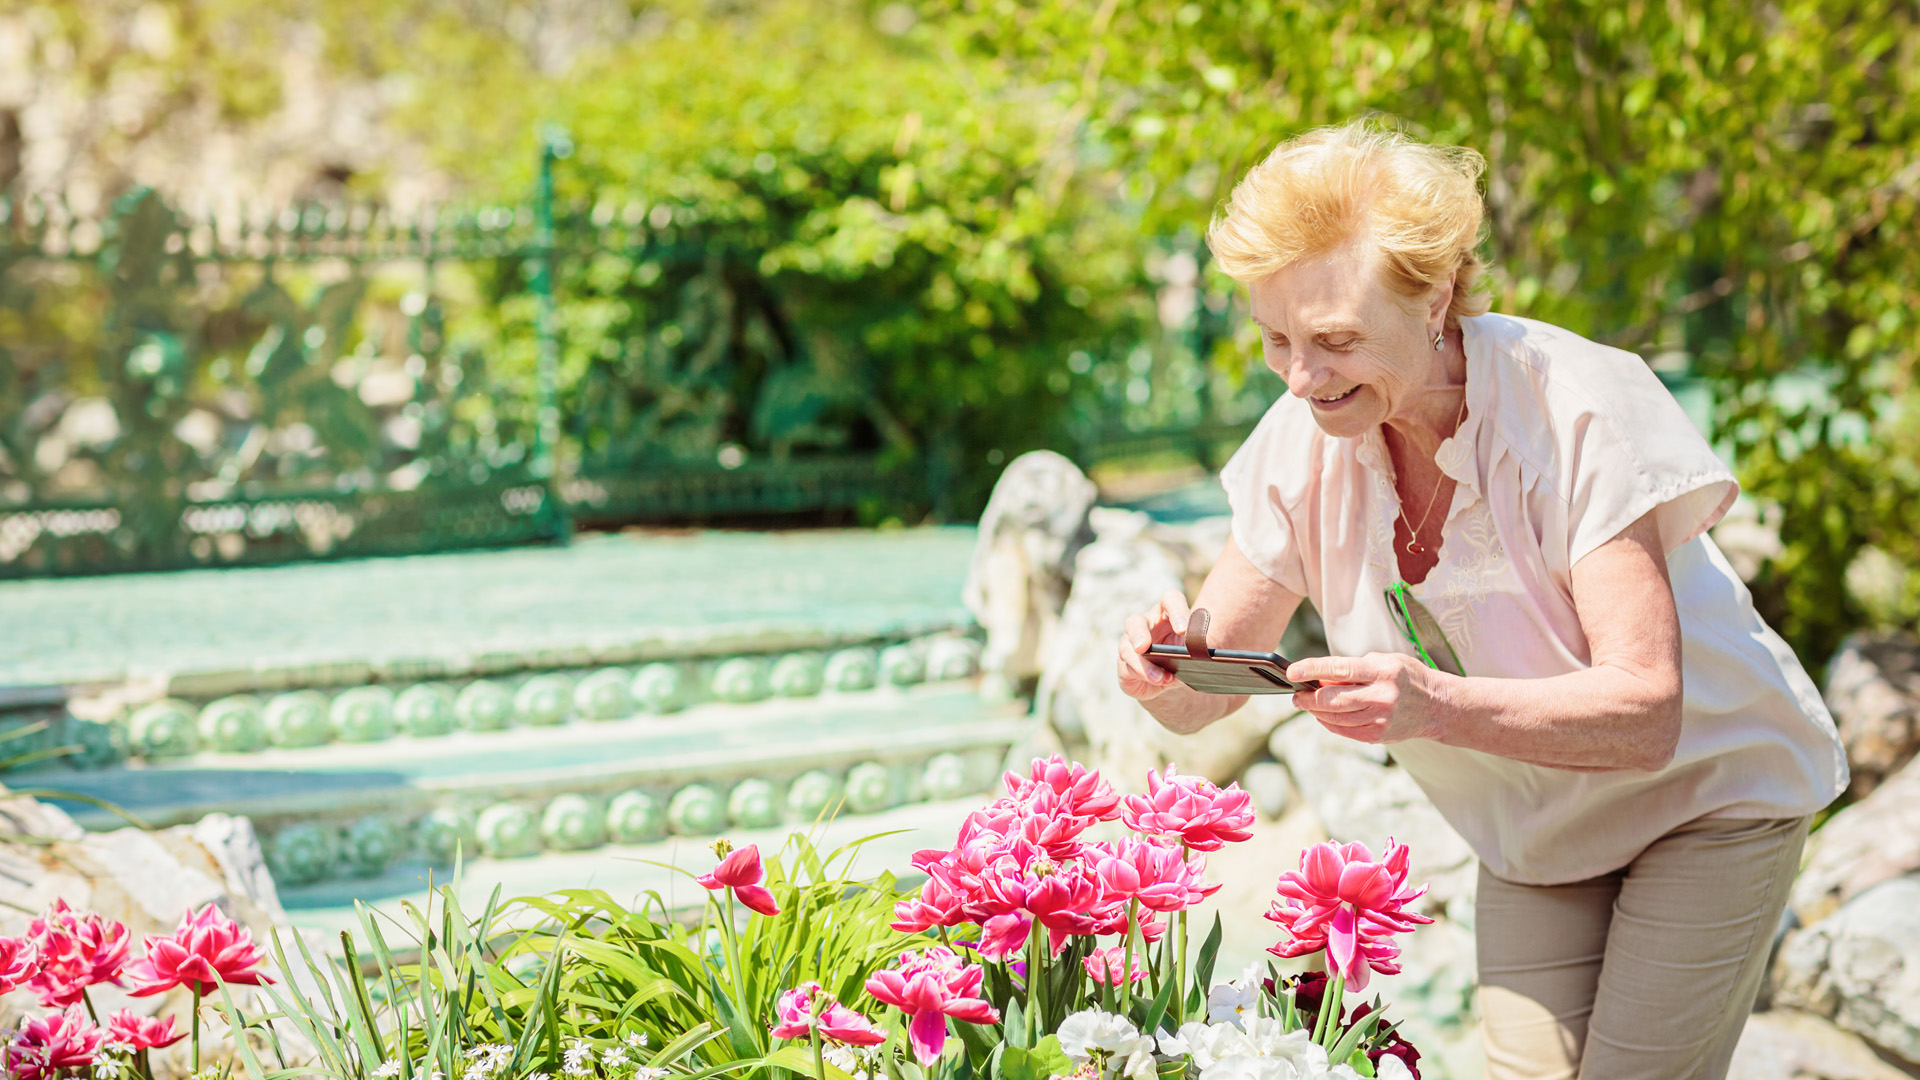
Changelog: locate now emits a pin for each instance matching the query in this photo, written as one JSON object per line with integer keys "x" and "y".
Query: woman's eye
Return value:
{"x": 1276, "y": 341}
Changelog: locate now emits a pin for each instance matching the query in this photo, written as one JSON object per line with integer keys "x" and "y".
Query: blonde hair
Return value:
{"x": 1419, "y": 204}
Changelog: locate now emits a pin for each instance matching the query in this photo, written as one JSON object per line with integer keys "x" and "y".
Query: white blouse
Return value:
{"x": 1565, "y": 443}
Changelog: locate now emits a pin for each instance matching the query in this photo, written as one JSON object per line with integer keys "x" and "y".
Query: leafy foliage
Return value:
{"x": 894, "y": 257}
{"x": 1730, "y": 182}
{"x": 544, "y": 974}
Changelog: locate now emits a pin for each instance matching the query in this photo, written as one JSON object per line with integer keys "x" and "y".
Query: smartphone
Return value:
{"x": 1229, "y": 671}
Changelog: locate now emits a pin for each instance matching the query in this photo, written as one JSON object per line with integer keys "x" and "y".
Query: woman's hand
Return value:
{"x": 1376, "y": 698}
{"x": 1164, "y": 623}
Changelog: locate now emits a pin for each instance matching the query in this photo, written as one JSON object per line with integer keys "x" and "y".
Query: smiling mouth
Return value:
{"x": 1337, "y": 397}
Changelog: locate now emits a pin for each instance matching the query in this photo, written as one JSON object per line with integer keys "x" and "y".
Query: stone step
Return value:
{"x": 630, "y": 873}
{"x": 156, "y": 666}
{"x": 353, "y": 809}
{"x": 601, "y": 600}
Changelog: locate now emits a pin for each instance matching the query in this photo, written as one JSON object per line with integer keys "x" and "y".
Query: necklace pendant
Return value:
{"x": 1414, "y": 548}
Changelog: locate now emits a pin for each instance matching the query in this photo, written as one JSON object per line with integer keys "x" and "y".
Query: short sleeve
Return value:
{"x": 1261, "y": 528}
{"x": 1631, "y": 449}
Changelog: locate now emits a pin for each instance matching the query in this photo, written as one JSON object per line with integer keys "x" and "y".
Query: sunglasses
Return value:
{"x": 1422, "y": 629}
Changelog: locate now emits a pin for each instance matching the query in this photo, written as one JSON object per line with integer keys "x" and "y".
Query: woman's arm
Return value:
{"x": 1623, "y": 712}
{"x": 1247, "y": 610}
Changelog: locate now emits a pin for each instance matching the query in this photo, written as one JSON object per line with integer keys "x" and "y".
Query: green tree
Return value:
{"x": 853, "y": 243}
{"x": 1734, "y": 182}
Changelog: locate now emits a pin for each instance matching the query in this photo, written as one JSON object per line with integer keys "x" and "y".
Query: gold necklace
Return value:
{"x": 1414, "y": 547}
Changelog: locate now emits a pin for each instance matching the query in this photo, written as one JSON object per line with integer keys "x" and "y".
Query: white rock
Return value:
{"x": 1017, "y": 582}
{"x": 1861, "y": 966}
{"x": 1270, "y": 786}
{"x": 1122, "y": 572}
{"x": 1874, "y": 840}
{"x": 1786, "y": 1044}
{"x": 1873, "y": 691}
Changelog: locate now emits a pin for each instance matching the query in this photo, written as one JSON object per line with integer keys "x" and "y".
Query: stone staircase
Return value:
{"x": 521, "y": 708}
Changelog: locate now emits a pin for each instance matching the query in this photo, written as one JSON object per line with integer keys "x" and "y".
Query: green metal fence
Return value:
{"x": 209, "y": 390}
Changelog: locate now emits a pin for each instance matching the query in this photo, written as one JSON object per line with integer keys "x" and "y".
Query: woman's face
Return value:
{"x": 1343, "y": 340}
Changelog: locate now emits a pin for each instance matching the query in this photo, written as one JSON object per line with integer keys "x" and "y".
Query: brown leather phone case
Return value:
{"x": 1224, "y": 671}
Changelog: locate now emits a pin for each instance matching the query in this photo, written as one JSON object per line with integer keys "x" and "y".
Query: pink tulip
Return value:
{"x": 206, "y": 950}
{"x": 75, "y": 951}
{"x": 1049, "y": 825}
{"x": 1160, "y": 876}
{"x": 1344, "y": 901}
{"x": 46, "y": 1046}
{"x": 1004, "y": 935}
{"x": 936, "y": 905}
{"x": 18, "y": 962}
{"x": 742, "y": 872}
{"x": 1193, "y": 809}
{"x": 929, "y": 987}
{"x": 834, "y": 1021}
{"x": 1108, "y": 967}
{"x": 1062, "y": 896}
{"x": 1080, "y": 790}
{"x": 142, "y": 1032}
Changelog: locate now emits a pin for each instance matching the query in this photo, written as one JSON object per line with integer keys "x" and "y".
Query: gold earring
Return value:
{"x": 1439, "y": 340}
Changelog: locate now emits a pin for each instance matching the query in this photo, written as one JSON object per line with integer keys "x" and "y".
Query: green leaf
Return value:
{"x": 1157, "y": 1010}
{"x": 1013, "y": 1023}
{"x": 1042, "y": 1062}
{"x": 1209, "y": 952}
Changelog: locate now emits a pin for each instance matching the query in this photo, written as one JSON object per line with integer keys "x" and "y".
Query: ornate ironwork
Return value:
{"x": 235, "y": 394}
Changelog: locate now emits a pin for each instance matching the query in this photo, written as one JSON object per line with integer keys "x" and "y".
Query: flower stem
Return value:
{"x": 819, "y": 1058}
{"x": 1126, "y": 976}
{"x": 1180, "y": 967}
{"x": 1039, "y": 970}
{"x": 1326, "y": 1025}
{"x": 1033, "y": 983}
{"x": 88, "y": 1000}
{"x": 196, "y": 1029}
{"x": 733, "y": 957}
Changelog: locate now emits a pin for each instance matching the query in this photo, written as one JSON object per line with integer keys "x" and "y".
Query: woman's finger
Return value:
{"x": 1330, "y": 669}
{"x": 1174, "y": 603}
{"x": 1138, "y": 633}
{"x": 1138, "y": 675}
{"x": 1337, "y": 698}
{"x": 1369, "y": 732}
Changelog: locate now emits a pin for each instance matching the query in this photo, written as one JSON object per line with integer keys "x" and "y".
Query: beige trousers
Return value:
{"x": 1647, "y": 973}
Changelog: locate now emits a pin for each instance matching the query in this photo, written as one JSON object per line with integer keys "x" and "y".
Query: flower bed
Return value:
{"x": 1032, "y": 951}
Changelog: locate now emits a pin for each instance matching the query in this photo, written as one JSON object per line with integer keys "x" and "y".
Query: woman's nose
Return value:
{"x": 1302, "y": 374}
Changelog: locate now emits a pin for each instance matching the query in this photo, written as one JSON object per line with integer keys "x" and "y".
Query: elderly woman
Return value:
{"x": 1503, "y": 526}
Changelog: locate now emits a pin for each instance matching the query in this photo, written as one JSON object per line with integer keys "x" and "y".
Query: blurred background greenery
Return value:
{"x": 929, "y": 236}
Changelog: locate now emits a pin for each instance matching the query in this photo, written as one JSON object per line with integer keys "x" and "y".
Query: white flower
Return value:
{"x": 1263, "y": 1051}
{"x": 637, "y": 1040}
{"x": 1206, "y": 1044}
{"x": 387, "y": 1069}
{"x": 1391, "y": 1068}
{"x": 1229, "y": 1002}
{"x": 1110, "y": 1041}
{"x": 613, "y": 1057}
{"x": 647, "y": 1073}
{"x": 577, "y": 1060}
{"x": 537, "y": 1076}
{"x": 1271, "y": 1039}
{"x": 486, "y": 1060}
{"x": 1255, "y": 1068}
{"x": 850, "y": 1060}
